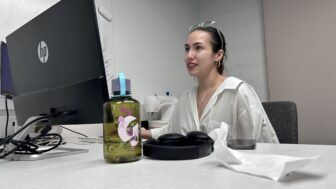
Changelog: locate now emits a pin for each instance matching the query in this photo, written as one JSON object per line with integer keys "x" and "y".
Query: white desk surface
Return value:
{"x": 90, "y": 171}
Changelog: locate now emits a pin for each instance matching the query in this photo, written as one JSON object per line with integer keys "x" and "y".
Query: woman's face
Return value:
{"x": 199, "y": 57}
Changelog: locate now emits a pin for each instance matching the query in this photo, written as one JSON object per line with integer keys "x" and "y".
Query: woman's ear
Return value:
{"x": 219, "y": 55}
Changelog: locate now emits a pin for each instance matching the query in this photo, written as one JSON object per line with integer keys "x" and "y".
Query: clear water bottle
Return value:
{"x": 122, "y": 139}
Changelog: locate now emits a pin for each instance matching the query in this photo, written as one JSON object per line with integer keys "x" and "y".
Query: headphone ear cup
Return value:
{"x": 172, "y": 139}
{"x": 202, "y": 140}
{"x": 198, "y": 137}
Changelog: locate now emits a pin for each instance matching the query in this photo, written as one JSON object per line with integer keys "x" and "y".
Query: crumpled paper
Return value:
{"x": 272, "y": 166}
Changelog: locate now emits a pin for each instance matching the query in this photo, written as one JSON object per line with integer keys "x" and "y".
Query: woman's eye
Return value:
{"x": 198, "y": 47}
{"x": 186, "y": 49}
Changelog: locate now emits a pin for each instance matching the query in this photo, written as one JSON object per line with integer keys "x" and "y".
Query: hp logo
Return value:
{"x": 42, "y": 52}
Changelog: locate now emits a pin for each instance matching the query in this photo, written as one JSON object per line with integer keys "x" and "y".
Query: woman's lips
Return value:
{"x": 191, "y": 65}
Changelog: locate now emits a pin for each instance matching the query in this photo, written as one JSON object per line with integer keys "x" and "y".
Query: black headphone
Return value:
{"x": 175, "y": 146}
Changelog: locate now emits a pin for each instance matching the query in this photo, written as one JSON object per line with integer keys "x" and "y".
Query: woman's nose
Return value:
{"x": 189, "y": 55}
{"x": 188, "y": 59}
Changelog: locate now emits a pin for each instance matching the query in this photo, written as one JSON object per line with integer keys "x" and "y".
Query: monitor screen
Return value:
{"x": 7, "y": 88}
{"x": 57, "y": 64}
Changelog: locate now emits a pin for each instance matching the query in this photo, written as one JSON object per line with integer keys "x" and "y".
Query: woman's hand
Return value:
{"x": 146, "y": 134}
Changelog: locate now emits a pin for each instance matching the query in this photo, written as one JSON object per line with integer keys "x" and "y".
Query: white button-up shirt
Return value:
{"x": 234, "y": 102}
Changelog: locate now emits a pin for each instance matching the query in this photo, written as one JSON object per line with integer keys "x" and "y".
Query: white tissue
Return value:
{"x": 272, "y": 166}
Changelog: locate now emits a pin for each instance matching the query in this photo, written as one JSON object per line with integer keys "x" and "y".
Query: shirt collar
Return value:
{"x": 230, "y": 83}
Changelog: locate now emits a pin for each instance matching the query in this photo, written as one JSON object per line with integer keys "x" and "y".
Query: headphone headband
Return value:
{"x": 175, "y": 146}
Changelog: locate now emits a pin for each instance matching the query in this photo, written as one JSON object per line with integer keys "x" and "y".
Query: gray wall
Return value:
{"x": 301, "y": 46}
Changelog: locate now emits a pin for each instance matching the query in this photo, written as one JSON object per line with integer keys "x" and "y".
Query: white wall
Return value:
{"x": 241, "y": 22}
{"x": 148, "y": 44}
{"x": 15, "y": 13}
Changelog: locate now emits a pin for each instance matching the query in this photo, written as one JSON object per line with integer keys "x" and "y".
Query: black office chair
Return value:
{"x": 283, "y": 116}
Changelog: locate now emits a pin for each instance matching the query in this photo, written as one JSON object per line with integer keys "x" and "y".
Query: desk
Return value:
{"x": 90, "y": 171}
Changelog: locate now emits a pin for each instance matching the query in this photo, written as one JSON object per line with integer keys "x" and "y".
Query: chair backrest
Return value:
{"x": 283, "y": 117}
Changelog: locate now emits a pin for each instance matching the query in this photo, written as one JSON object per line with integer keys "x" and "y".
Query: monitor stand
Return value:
{"x": 57, "y": 152}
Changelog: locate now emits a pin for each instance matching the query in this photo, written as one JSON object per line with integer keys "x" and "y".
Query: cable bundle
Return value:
{"x": 29, "y": 145}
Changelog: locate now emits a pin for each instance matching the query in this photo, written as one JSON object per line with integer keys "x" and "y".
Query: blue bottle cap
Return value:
{"x": 121, "y": 84}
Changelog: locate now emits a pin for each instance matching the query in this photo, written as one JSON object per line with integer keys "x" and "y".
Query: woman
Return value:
{"x": 217, "y": 98}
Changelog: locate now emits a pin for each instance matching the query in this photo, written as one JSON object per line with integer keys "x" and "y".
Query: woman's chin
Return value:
{"x": 192, "y": 72}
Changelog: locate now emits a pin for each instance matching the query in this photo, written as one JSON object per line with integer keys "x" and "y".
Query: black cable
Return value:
{"x": 28, "y": 147}
{"x": 10, "y": 138}
{"x": 7, "y": 116}
{"x": 35, "y": 147}
{"x": 33, "y": 121}
{"x": 27, "y": 143}
{"x": 74, "y": 131}
{"x": 10, "y": 152}
{"x": 7, "y": 139}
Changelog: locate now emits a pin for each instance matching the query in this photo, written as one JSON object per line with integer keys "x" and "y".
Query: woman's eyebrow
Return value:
{"x": 197, "y": 43}
{"x": 194, "y": 44}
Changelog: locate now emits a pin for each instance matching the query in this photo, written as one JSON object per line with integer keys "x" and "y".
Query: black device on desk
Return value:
{"x": 57, "y": 65}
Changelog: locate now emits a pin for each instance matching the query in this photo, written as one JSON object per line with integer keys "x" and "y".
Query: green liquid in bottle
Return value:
{"x": 122, "y": 140}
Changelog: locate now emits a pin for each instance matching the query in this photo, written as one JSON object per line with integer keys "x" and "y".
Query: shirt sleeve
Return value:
{"x": 169, "y": 126}
{"x": 252, "y": 121}
{"x": 174, "y": 124}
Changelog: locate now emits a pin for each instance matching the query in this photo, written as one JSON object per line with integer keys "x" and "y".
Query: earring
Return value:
{"x": 218, "y": 64}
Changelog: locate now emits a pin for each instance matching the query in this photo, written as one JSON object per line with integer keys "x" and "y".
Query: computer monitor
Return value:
{"x": 7, "y": 88}
{"x": 57, "y": 65}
